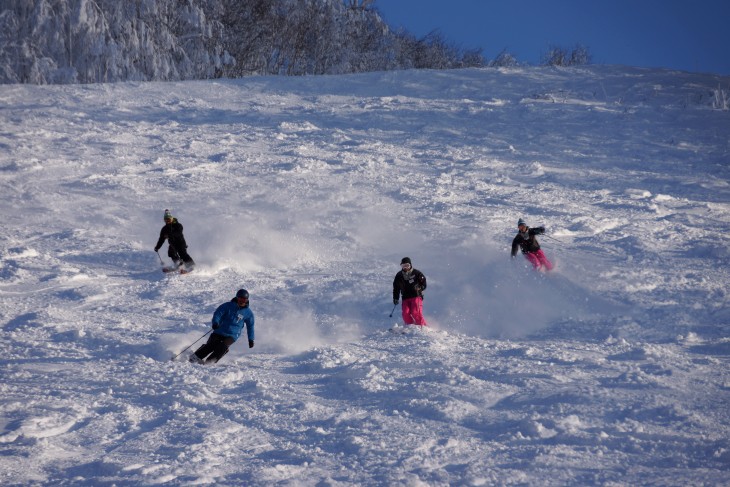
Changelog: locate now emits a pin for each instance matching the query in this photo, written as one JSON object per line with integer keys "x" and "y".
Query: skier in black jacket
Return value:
{"x": 177, "y": 248}
{"x": 526, "y": 241}
{"x": 410, "y": 283}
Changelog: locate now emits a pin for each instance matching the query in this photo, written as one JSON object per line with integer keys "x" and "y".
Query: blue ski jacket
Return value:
{"x": 229, "y": 320}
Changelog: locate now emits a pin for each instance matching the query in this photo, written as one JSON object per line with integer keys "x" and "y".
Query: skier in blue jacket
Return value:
{"x": 228, "y": 322}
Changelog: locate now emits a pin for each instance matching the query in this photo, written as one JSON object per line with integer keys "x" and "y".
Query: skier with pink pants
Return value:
{"x": 526, "y": 241}
{"x": 410, "y": 283}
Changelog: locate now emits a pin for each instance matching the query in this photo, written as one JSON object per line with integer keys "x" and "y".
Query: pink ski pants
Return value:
{"x": 539, "y": 261}
{"x": 412, "y": 309}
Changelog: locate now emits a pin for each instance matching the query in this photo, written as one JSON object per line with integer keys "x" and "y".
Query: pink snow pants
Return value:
{"x": 539, "y": 261}
{"x": 412, "y": 309}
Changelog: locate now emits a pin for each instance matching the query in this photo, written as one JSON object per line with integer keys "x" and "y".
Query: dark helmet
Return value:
{"x": 242, "y": 293}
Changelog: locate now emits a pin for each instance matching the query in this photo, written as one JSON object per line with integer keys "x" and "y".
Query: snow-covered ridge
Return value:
{"x": 308, "y": 191}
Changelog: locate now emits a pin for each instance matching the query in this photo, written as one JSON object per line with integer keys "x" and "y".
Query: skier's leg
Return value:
{"x": 533, "y": 260}
{"x": 202, "y": 352}
{"x": 205, "y": 349}
{"x": 406, "y": 312}
{"x": 544, "y": 260}
{"x": 189, "y": 262}
{"x": 221, "y": 348}
{"x": 417, "y": 312}
{"x": 172, "y": 253}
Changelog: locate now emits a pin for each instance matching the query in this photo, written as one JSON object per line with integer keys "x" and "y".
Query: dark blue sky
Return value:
{"x": 689, "y": 35}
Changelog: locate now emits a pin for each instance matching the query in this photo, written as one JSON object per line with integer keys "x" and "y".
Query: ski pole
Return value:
{"x": 553, "y": 238}
{"x": 196, "y": 341}
{"x": 391, "y": 313}
{"x": 158, "y": 256}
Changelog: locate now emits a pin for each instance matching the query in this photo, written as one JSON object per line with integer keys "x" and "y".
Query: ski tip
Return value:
{"x": 175, "y": 270}
{"x": 404, "y": 329}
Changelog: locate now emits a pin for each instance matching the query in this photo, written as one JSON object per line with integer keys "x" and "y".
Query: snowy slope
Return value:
{"x": 612, "y": 370}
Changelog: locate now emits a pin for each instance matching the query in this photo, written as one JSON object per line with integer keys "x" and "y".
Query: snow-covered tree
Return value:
{"x": 561, "y": 56}
{"x": 88, "y": 41}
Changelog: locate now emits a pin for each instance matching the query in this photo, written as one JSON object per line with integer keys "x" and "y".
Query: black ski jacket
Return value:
{"x": 410, "y": 286}
{"x": 527, "y": 241}
{"x": 173, "y": 233}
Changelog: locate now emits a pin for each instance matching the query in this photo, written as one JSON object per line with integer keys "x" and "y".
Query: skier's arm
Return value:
{"x": 537, "y": 231}
{"x": 250, "y": 328}
{"x": 396, "y": 290}
{"x": 217, "y": 316}
{"x": 422, "y": 282}
{"x": 161, "y": 240}
{"x": 515, "y": 246}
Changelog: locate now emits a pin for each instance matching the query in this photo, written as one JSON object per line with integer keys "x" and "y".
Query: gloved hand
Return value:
{"x": 250, "y": 344}
{"x": 157, "y": 249}
{"x": 216, "y": 326}
{"x": 395, "y": 301}
{"x": 542, "y": 228}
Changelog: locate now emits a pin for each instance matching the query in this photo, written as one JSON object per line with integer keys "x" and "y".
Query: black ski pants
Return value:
{"x": 179, "y": 253}
{"x": 215, "y": 348}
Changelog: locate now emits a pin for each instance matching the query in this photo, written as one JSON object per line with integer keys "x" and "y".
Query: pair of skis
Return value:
{"x": 403, "y": 329}
{"x": 167, "y": 269}
{"x": 179, "y": 270}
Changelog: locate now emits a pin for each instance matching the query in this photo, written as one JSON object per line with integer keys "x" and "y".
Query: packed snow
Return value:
{"x": 610, "y": 370}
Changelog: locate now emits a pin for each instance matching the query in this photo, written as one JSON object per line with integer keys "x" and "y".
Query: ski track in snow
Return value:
{"x": 612, "y": 370}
